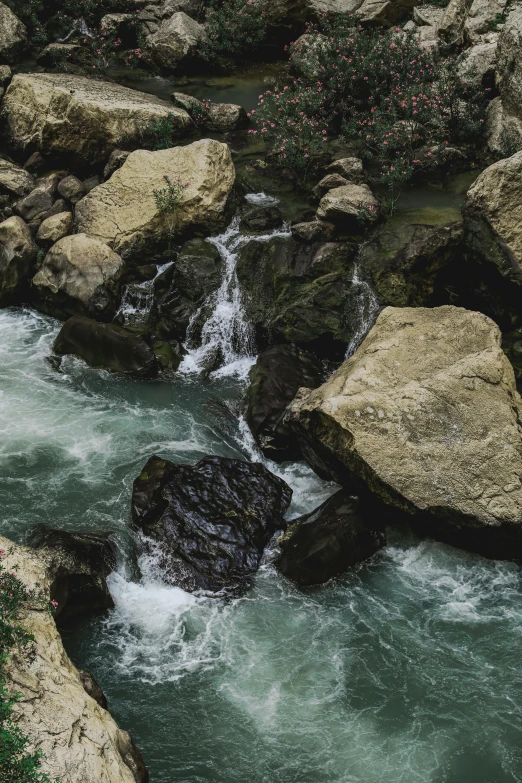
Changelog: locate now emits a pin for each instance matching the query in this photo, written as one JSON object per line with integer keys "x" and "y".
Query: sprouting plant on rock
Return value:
{"x": 168, "y": 198}
{"x": 160, "y": 132}
{"x": 18, "y": 764}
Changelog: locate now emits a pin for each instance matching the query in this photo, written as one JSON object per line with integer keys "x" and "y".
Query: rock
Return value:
{"x": 503, "y": 130}
{"x": 78, "y": 739}
{"x": 116, "y": 24}
{"x": 58, "y": 54}
{"x": 262, "y": 219}
{"x": 313, "y": 231}
{"x": 35, "y": 164}
{"x": 170, "y": 7}
{"x": 509, "y": 64}
{"x": 384, "y": 12}
{"x": 13, "y": 179}
{"x": 123, "y": 212}
{"x": 6, "y": 75}
{"x": 275, "y": 379}
{"x": 349, "y": 168}
{"x": 182, "y": 288}
{"x": 307, "y": 54}
{"x": 108, "y": 346}
{"x": 92, "y": 182}
{"x": 428, "y": 15}
{"x": 322, "y": 545}
{"x": 426, "y": 416}
{"x": 451, "y": 25}
{"x": 492, "y": 213}
{"x": 225, "y": 117}
{"x": 298, "y": 293}
{"x": 116, "y": 160}
{"x": 59, "y": 206}
{"x": 176, "y": 40}
{"x": 187, "y": 102}
{"x": 13, "y": 35}
{"x": 481, "y": 15}
{"x": 79, "y": 275}
{"x": 80, "y": 564}
{"x": 351, "y": 204}
{"x": 479, "y": 62}
{"x": 71, "y": 188}
{"x": 38, "y": 202}
{"x": 327, "y": 183}
{"x": 91, "y": 687}
{"x": 55, "y": 228}
{"x": 290, "y": 11}
{"x": 17, "y": 256}
{"x": 211, "y": 521}
{"x": 410, "y": 264}
{"x": 65, "y": 115}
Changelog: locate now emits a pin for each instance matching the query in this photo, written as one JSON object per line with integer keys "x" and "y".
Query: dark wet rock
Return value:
{"x": 6, "y": 75}
{"x": 17, "y": 257}
{"x": 80, "y": 563}
{"x": 91, "y": 182}
{"x": 274, "y": 381}
{"x": 108, "y": 346}
{"x": 312, "y": 231}
{"x": 131, "y": 754}
{"x": 35, "y": 164}
{"x": 184, "y": 286}
{"x": 37, "y": 203}
{"x": 410, "y": 264}
{"x": 319, "y": 546}
{"x": 211, "y": 521}
{"x": 94, "y": 690}
{"x": 298, "y": 293}
{"x": 71, "y": 188}
{"x": 262, "y": 219}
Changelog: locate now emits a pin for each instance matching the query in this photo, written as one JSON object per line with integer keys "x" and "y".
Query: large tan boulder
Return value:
{"x": 123, "y": 212}
{"x": 14, "y": 179}
{"x": 479, "y": 60}
{"x": 79, "y": 275}
{"x": 79, "y": 739}
{"x": 426, "y": 416}
{"x": 13, "y": 35}
{"x": 481, "y": 17}
{"x": 509, "y": 63}
{"x": 451, "y": 26}
{"x": 176, "y": 39}
{"x": 349, "y": 204}
{"x": 84, "y": 119}
{"x": 493, "y": 216}
{"x": 17, "y": 256}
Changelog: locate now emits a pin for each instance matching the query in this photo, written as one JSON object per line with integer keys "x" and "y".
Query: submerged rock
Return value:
{"x": 108, "y": 346}
{"x": 426, "y": 415}
{"x": 274, "y": 381}
{"x": 17, "y": 257}
{"x": 79, "y": 275}
{"x": 211, "y": 521}
{"x": 262, "y": 219}
{"x": 64, "y": 115}
{"x": 78, "y": 739}
{"x": 321, "y": 545}
{"x": 124, "y": 213}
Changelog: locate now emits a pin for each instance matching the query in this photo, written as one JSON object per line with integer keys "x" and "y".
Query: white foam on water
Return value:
{"x": 366, "y": 310}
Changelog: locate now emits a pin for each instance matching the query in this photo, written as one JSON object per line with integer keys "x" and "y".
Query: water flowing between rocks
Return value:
{"x": 392, "y": 673}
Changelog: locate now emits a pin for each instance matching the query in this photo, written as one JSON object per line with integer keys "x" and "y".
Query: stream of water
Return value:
{"x": 407, "y": 670}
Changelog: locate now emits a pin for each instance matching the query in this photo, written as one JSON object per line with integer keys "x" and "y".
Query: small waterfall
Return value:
{"x": 137, "y": 300}
{"x": 365, "y": 311}
{"x": 227, "y": 333}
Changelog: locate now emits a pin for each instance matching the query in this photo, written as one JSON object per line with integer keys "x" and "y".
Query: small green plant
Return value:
{"x": 160, "y": 132}
{"x": 18, "y": 764}
{"x": 168, "y": 199}
{"x": 199, "y": 112}
{"x": 497, "y": 20}
{"x": 234, "y": 28}
{"x": 509, "y": 143}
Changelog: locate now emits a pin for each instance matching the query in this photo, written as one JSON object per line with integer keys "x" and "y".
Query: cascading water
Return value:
{"x": 138, "y": 298}
{"x": 227, "y": 333}
{"x": 365, "y": 310}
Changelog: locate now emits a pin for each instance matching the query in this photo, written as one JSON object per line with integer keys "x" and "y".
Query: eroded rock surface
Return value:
{"x": 426, "y": 416}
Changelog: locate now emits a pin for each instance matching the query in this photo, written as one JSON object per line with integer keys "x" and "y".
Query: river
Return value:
{"x": 407, "y": 670}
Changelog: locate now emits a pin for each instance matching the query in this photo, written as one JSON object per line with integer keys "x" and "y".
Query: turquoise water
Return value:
{"x": 407, "y": 670}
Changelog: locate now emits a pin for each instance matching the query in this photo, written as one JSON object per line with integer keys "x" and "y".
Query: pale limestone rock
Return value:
{"x": 17, "y": 256}
{"x": 123, "y": 212}
{"x": 306, "y": 55}
{"x": 349, "y": 168}
{"x": 478, "y": 61}
{"x": 493, "y": 214}
{"x": 14, "y": 179}
{"x": 509, "y": 63}
{"x": 79, "y": 275}
{"x": 384, "y": 12}
{"x": 225, "y": 117}
{"x": 503, "y": 130}
{"x": 175, "y": 40}
{"x": 309, "y": 10}
{"x": 480, "y": 16}
{"x": 428, "y": 15}
{"x": 112, "y": 23}
{"x": 427, "y": 416}
{"x": 451, "y": 25}
{"x": 348, "y": 203}
{"x": 78, "y": 117}
{"x": 79, "y": 740}
{"x": 55, "y": 228}
{"x": 13, "y": 34}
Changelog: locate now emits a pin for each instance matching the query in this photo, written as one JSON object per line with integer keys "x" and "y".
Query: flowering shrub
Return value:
{"x": 17, "y": 763}
{"x": 234, "y": 28}
{"x": 403, "y": 103}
